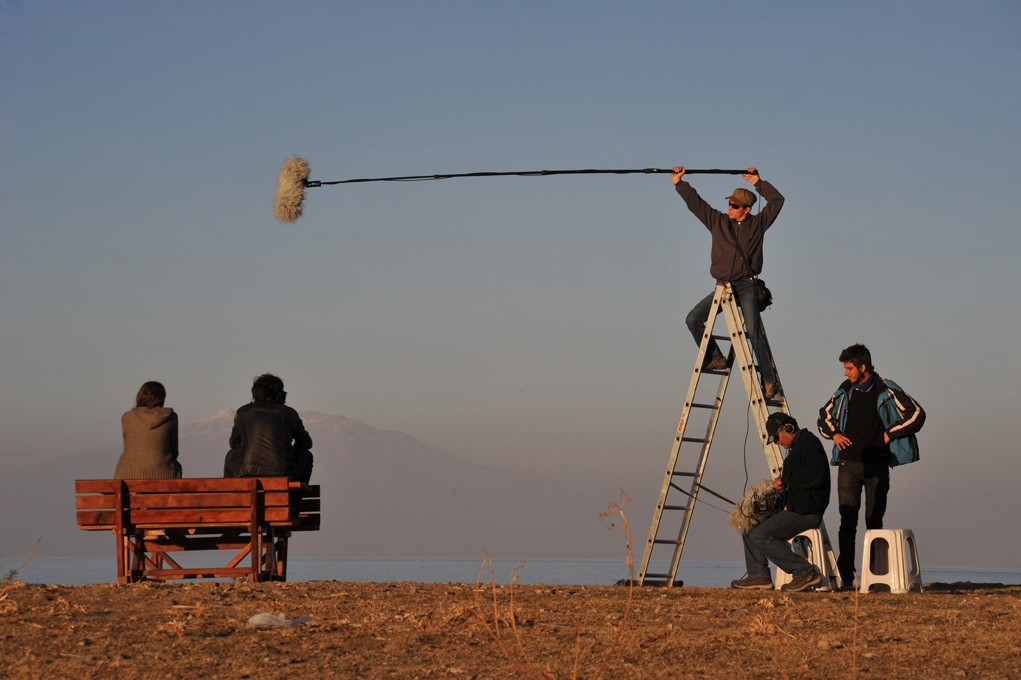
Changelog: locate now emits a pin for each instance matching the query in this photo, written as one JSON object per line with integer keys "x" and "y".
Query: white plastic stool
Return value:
{"x": 809, "y": 544}
{"x": 890, "y": 557}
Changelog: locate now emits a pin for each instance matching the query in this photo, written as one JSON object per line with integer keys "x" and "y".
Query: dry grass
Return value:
{"x": 412, "y": 630}
{"x": 517, "y": 654}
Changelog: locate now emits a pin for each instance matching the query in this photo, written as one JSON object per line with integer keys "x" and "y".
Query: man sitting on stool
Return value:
{"x": 806, "y": 481}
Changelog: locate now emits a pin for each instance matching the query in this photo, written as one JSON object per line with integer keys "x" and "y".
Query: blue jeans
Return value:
{"x": 744, "y": 291}
{"x": 767, "y": 543}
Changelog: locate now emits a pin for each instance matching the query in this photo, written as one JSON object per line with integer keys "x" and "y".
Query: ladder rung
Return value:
{"x": 708, "y": 406}
{"x": 677, "y": 507}
{"x": 694, "y": 439}
{"x": 663, "y": 540}
{"x": 720, "y": 337}
{"x": 682, "y": 474}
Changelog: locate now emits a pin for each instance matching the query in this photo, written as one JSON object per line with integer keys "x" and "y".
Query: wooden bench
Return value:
{"x": 151, "y": 518}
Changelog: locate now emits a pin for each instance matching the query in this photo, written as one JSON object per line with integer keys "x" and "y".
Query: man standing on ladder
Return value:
{"x": 736, "y": 258}
{"x": 805, "y": 481}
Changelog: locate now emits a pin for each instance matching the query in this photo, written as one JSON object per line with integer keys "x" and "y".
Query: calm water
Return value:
{"x": 83, "y": 570}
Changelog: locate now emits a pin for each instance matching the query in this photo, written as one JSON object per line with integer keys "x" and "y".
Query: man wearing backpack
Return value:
{"x": 872, "y": 423}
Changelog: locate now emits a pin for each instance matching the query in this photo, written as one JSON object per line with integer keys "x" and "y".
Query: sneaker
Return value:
{"x": 807, "y": 581}
{"x": 772, "y": 389}
{"x": 753, "y": 583}
{"x": 716, "y": 364}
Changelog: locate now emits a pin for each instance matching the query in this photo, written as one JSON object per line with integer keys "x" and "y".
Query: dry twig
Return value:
{"x": 494, "y": 630}
{"x": 9, "y": 577}
{"x": 611, "y": 510}
{"x": 519, "y": 657}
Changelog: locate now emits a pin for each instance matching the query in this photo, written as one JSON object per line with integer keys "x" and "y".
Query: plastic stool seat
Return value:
{"x": 809, "y": 544}
{"x": 890, "y": 558}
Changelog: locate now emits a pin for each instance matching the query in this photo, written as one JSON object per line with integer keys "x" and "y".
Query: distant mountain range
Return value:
{"x": 383, "y": 494}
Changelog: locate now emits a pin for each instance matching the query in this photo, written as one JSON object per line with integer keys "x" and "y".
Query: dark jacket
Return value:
{"x": 727, "y": 263}
{"x": 261, "y": 441}
{"x": 901, "y": 415}
{"x": 150, "y": 445}
{"x": 806, "y": 476}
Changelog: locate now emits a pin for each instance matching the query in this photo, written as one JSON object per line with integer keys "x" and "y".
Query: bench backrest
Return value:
{"x": 195, "y": 503}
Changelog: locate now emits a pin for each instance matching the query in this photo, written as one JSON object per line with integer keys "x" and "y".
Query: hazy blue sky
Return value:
{"x": 530, "y": 323}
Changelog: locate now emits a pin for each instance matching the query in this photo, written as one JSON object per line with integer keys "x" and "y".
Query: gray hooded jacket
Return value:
{"x": 150, "y": 445}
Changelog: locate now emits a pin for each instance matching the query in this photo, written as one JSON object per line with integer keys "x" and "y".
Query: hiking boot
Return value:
{"x": 753, "y": 583}
{"x": 716, "y": 364}
{"x": 806, "y": 581}
{"x": 772, "y": 389}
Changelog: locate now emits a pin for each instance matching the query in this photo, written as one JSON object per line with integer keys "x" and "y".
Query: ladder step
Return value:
{"x": 711, "y": 407}
{"x": 677, "y": 507}
{"x": 665, "y": 541}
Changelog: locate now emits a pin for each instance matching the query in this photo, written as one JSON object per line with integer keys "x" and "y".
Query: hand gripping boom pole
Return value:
{"x": 294, "y": 180}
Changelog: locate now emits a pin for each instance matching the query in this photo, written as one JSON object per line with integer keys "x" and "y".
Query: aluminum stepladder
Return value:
{"x": 740, "y": 355}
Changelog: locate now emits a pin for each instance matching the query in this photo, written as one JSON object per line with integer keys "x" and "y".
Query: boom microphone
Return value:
{"x": 291, "y": 189}
{"x": 294, "y": 180}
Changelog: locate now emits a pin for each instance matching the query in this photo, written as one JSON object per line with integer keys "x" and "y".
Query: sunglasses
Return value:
{"x": 735, "y": 206}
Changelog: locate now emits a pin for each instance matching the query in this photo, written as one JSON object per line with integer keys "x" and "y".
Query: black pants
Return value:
{"x": 302, "y": 466}
{"x": 852, "y": 478}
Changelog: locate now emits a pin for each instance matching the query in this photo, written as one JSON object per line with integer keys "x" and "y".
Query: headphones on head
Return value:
{"x": 788, "y": 426}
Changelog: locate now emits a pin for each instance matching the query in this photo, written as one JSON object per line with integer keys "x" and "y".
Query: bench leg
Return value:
{"x": 281, "y": 556}
{"x": 130, "y": 557}
{"x": 272, "y": 570}
{"x": 269, "y": 564}
{"x": 256, "y": 561}
{"x": 122, "y": 558}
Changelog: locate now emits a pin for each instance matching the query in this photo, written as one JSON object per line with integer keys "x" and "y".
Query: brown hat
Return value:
{"x": 742, "y": 197}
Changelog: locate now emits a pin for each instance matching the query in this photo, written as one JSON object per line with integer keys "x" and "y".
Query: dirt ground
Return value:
{"x": 411, "y": 630}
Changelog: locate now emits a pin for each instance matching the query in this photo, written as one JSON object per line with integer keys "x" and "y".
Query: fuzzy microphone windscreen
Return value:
{"x": 750, "y": 511}
{"x": 291, "y": 189}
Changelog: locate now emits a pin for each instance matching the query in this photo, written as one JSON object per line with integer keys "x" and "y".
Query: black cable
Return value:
{"x": 699, "y": 500}
{"x": 527, "y": 173}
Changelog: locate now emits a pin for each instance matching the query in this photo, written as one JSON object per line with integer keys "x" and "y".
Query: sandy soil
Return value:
{"x": 409, "y": 630}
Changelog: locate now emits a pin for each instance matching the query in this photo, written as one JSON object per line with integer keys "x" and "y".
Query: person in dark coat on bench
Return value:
{"x": 150, "y": 437}
{"x": 268, "y": 437}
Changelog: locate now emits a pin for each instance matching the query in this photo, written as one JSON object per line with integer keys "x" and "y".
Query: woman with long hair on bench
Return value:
{"x": 150, "y": 437}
